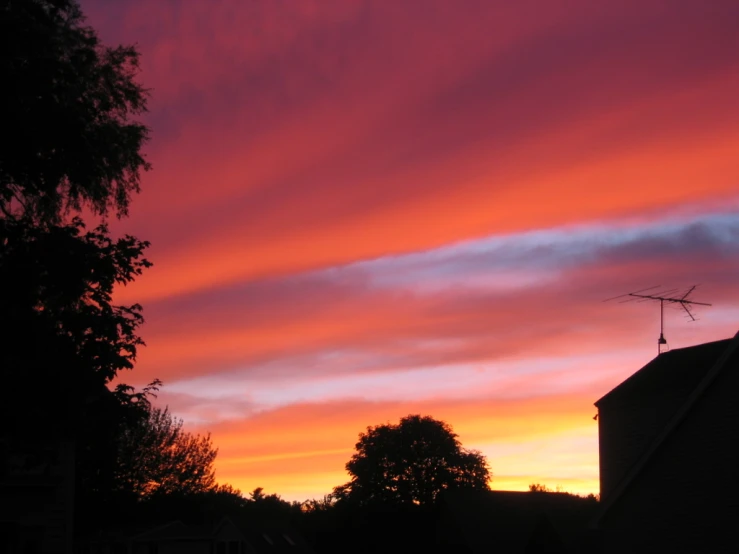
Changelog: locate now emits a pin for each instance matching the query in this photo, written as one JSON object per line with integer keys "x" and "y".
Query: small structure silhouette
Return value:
{"x": 668, "y": 454}
{"x": 228, "y": 536}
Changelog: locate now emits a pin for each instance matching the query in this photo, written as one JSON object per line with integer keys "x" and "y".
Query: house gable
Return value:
{"x": 681, "y": 495}
{"x": 636, "y": 412}
{"x": 257, "y": 538}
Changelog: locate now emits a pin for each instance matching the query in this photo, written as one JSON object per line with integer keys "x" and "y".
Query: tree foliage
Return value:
{"x": 157, "y": 456}
{"x": 107, "y": 415}
{"x": 66, "y": 339}
{"x": 67, "y": 107}
{"x": 208, "y": 507}
{"x": 538, "y": 487}
{"x": 315, "y": 505}
{"x": 411, "y": 463}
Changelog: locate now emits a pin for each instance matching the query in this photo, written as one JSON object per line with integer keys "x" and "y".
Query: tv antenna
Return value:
{"x": 670, "y": 296}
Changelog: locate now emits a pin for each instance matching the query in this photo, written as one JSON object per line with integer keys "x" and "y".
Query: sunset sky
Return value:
{"x": 361, "y": 210}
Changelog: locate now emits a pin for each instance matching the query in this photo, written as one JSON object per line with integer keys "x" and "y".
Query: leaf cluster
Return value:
{"x": 66, "y": 337}
{"x": 68, "y": 106}
{"x": 157, "y": 456}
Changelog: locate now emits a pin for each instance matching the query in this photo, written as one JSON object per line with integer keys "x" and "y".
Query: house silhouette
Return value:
{"x": 228, "y": 536}
{"x": 669, "y": 453}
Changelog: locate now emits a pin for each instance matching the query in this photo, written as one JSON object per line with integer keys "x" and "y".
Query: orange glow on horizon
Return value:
{"x": 295, "y": 444}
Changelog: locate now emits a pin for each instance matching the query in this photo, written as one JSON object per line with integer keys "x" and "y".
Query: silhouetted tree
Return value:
{"x": 66, "y": 107}
{"x": 226, "y": 499}
{"x": 271, "y": 507}
{"x": 538, "y": 487}
{"x": 315, "y": 505}
{"x": 411, "y": 463}
{"x": 99, "y": 497}
{"x": 64, "y": 339}
{"x": 157, "y": 456}
{"x": 206, "y": 507}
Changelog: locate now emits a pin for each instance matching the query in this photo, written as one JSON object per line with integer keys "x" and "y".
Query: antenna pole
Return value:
{"x": 661, "y": 340}
{"x": 671, "y": 296}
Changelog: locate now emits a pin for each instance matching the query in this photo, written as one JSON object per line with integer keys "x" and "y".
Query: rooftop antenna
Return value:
{"x": 670, "y": 296}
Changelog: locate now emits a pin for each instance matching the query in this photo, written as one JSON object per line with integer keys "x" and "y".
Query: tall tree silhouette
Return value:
{"x": 411, "y": 463}
{"x": 67, "y": 107}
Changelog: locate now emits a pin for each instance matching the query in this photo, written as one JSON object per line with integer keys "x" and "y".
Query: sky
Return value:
{"x": 361, "y": 210}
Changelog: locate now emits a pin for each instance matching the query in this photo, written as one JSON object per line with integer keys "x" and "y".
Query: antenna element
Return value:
{"x": 671, "y": 296}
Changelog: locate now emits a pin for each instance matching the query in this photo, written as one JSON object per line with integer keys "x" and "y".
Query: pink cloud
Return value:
{"x": 333, "y": 133}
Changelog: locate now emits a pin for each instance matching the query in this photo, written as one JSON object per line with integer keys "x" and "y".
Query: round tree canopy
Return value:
{"x": 411, "y": 463}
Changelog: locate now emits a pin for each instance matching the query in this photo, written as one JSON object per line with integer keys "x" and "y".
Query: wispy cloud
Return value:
{"x": 476, "y": 301}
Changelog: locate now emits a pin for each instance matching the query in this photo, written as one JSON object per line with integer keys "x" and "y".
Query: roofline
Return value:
{"x": 228, "y": 519}
{"x": 610, "y": 392}
{"x": 679, "y": 416}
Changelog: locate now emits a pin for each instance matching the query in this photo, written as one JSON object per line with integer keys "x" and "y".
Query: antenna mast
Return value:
{"x": 671, "y": 296}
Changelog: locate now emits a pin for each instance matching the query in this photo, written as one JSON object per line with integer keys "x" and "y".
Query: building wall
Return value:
{"x": 686, "y": 499}
{"x": 626, "y": 428}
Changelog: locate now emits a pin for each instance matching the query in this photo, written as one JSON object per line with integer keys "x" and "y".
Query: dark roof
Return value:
{"x": 509, "y": 521}
{"x": 678, "y": 370}
{"x": 176, "y": 530}
{"x": 262, "y": 537}
{"x": 267, "y": 537}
